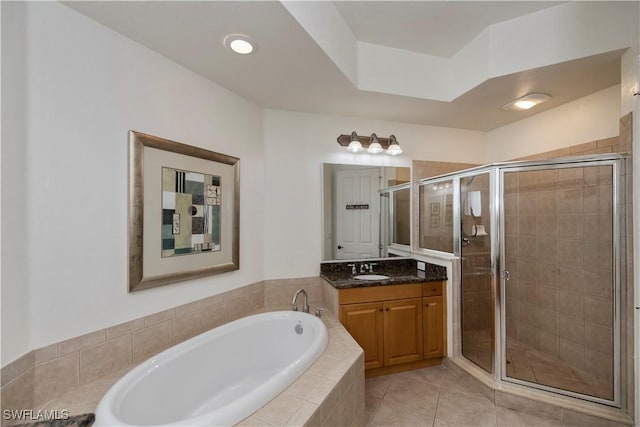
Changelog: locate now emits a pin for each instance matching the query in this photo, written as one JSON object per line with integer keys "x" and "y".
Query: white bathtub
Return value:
{"x": 219, "y": 377}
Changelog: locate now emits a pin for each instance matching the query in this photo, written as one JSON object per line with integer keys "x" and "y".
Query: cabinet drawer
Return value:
{"x": 379, "y": 293}
{"x": 430, "y": 289}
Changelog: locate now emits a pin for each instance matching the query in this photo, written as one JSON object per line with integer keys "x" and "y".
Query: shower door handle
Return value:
{"x": 506, "y": 274}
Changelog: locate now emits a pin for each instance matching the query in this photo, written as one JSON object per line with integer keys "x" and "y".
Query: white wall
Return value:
{"x": 86, "y": 87}
{"x": 297, "y": 144}
{"x": 15, "y": 321}
{"x": 593, "y": 117}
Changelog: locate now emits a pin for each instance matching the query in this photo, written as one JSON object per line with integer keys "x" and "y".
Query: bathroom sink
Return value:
{"x": 371, "y": 277}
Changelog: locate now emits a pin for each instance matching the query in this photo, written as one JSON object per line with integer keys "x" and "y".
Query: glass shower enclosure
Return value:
{"x": 538, "y": 248}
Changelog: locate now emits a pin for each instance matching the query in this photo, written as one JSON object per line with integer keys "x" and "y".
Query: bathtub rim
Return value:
{"x": 270, "y": 389}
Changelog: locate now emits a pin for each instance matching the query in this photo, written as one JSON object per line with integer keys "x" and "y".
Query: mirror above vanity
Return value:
{"x": 365, "y": 211}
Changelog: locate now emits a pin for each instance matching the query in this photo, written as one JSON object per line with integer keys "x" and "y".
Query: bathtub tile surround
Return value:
{"x": 330, "y": 393}
{"x": 75, "y": 373}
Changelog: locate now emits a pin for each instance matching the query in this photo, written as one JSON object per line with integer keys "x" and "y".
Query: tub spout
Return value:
{"x": 294, "y": 305}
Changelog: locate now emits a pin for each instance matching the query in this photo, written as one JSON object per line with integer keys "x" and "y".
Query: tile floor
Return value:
{"x": 529, "y": 364}
{"x": 437, "y": 397}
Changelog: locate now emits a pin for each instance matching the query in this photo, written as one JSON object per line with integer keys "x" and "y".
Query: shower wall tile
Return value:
{"x": 599, "y": 338}
{"x": 563, "y": 239}
{"x": 571, "y": 304}
{"x": 572, "y": 353}
{"x": 572, "y": 329}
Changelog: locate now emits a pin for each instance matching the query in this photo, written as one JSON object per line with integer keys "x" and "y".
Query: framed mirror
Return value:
{"x": 366, "y": 211}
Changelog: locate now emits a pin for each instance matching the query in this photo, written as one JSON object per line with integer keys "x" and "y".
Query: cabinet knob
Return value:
{"x": 381, "y": 310}
{"x": 433, "y": 290}
{"x": 387, "y": 309}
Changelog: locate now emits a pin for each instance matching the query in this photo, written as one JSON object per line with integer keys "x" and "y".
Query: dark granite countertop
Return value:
{"x": 401, "y": 271}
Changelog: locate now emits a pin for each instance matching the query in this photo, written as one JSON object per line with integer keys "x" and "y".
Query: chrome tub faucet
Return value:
{"x": 294, "y": 305}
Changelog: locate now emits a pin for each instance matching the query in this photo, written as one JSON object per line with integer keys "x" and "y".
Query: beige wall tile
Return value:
{"x": 583, "y": 147}
{"x": 598, "y": 311}
{"x": 573, "y": 418}
{"x": 598, "y": 283}
{"x": 82, "y": 342}
{"x": 280, "y": 409}
{"x": 160, "y": 317}
{"x": 151, "y": 341}
{"x": 18, "y": 367}
{"x": 570, "y": 252}
{"x": 571, "y": 329}
{"x": 125, "y": 328}
{"x": 45, "y": 354}
{"x": 562, "y": 152}
{"x": 18, "y": 394}
{"x": 547, "y": 249}
{"x": 599, "y": 338}
{"x": 570, "y": 278}
{"x": 307, "y": 412}
{"x": 187, "y": 326}
{"x": 569, "y": 201}
{"x": 214, "y": 315}
{"x": 53, "y": 378}
{"x": 546, "y": 226}
{"x": 571, "y": 304}
{"x": 105, "y": 359}
{"x": 188, "y": 308}
{"x": 599, "y": 364}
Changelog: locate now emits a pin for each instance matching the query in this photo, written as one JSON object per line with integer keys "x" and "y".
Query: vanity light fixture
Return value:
{"x": 394, "y": 148}
{"x": 239, "y": 43}
{"x": 354, "y": 145}
{"x": 374, "y": 145}
{"x": 525, "y": 102}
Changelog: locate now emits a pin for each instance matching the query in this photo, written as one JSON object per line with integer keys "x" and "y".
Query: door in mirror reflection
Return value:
{"x": 357, "y": 221}
{"x": 357, "y": 210}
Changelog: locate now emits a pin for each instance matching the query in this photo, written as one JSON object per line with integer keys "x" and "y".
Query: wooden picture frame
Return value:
{"x": 152, "y": 161}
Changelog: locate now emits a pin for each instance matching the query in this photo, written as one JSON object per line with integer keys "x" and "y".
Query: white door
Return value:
{"x": 357, "y": 213}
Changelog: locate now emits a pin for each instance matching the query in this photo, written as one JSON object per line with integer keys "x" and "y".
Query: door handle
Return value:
{"x": 340, "y": 246}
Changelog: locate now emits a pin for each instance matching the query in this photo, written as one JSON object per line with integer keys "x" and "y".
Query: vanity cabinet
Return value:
{"x": 395, "y": 324}
{"x": 433, "y": 320}
{"x": 402, "y": 331}
{"x": 364, "y": 323}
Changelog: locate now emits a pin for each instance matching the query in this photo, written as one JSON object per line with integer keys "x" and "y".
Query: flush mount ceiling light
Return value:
{"x": 239, "y": 43}
{"x": 526, "y": 102}
{"x": 354, "y": 145}
{"x": 374, "y": 145}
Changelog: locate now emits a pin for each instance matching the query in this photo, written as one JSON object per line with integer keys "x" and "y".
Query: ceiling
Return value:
{"x": 290, "y": 71}
{"x": 439, "y": 28}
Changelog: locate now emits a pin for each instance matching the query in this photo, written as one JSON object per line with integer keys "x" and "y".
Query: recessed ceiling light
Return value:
{"x": 526, "y": 102}
{"x": 239, "y": 43}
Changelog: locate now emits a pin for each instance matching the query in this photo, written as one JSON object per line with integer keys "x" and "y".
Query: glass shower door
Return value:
{"x": 476, "y": 285}
{"x": 558, "y": 282}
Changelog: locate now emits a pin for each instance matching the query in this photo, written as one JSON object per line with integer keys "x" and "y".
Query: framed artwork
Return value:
{"x": 435, "y": 221}
{"x": 435, "y": 208}
{"x": 448, "y": 215}
{"x": 184, "y": 212}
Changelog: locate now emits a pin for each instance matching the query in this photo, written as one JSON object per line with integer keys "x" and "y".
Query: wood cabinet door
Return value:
{"x": 364, "y": 323}
{"x": 432, "y": 326}
{"x": 402, "y": 331}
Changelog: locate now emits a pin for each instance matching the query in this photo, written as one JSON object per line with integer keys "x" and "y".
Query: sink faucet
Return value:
{"x": 353, "y": 269}
{"x": 305, "y": 306}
